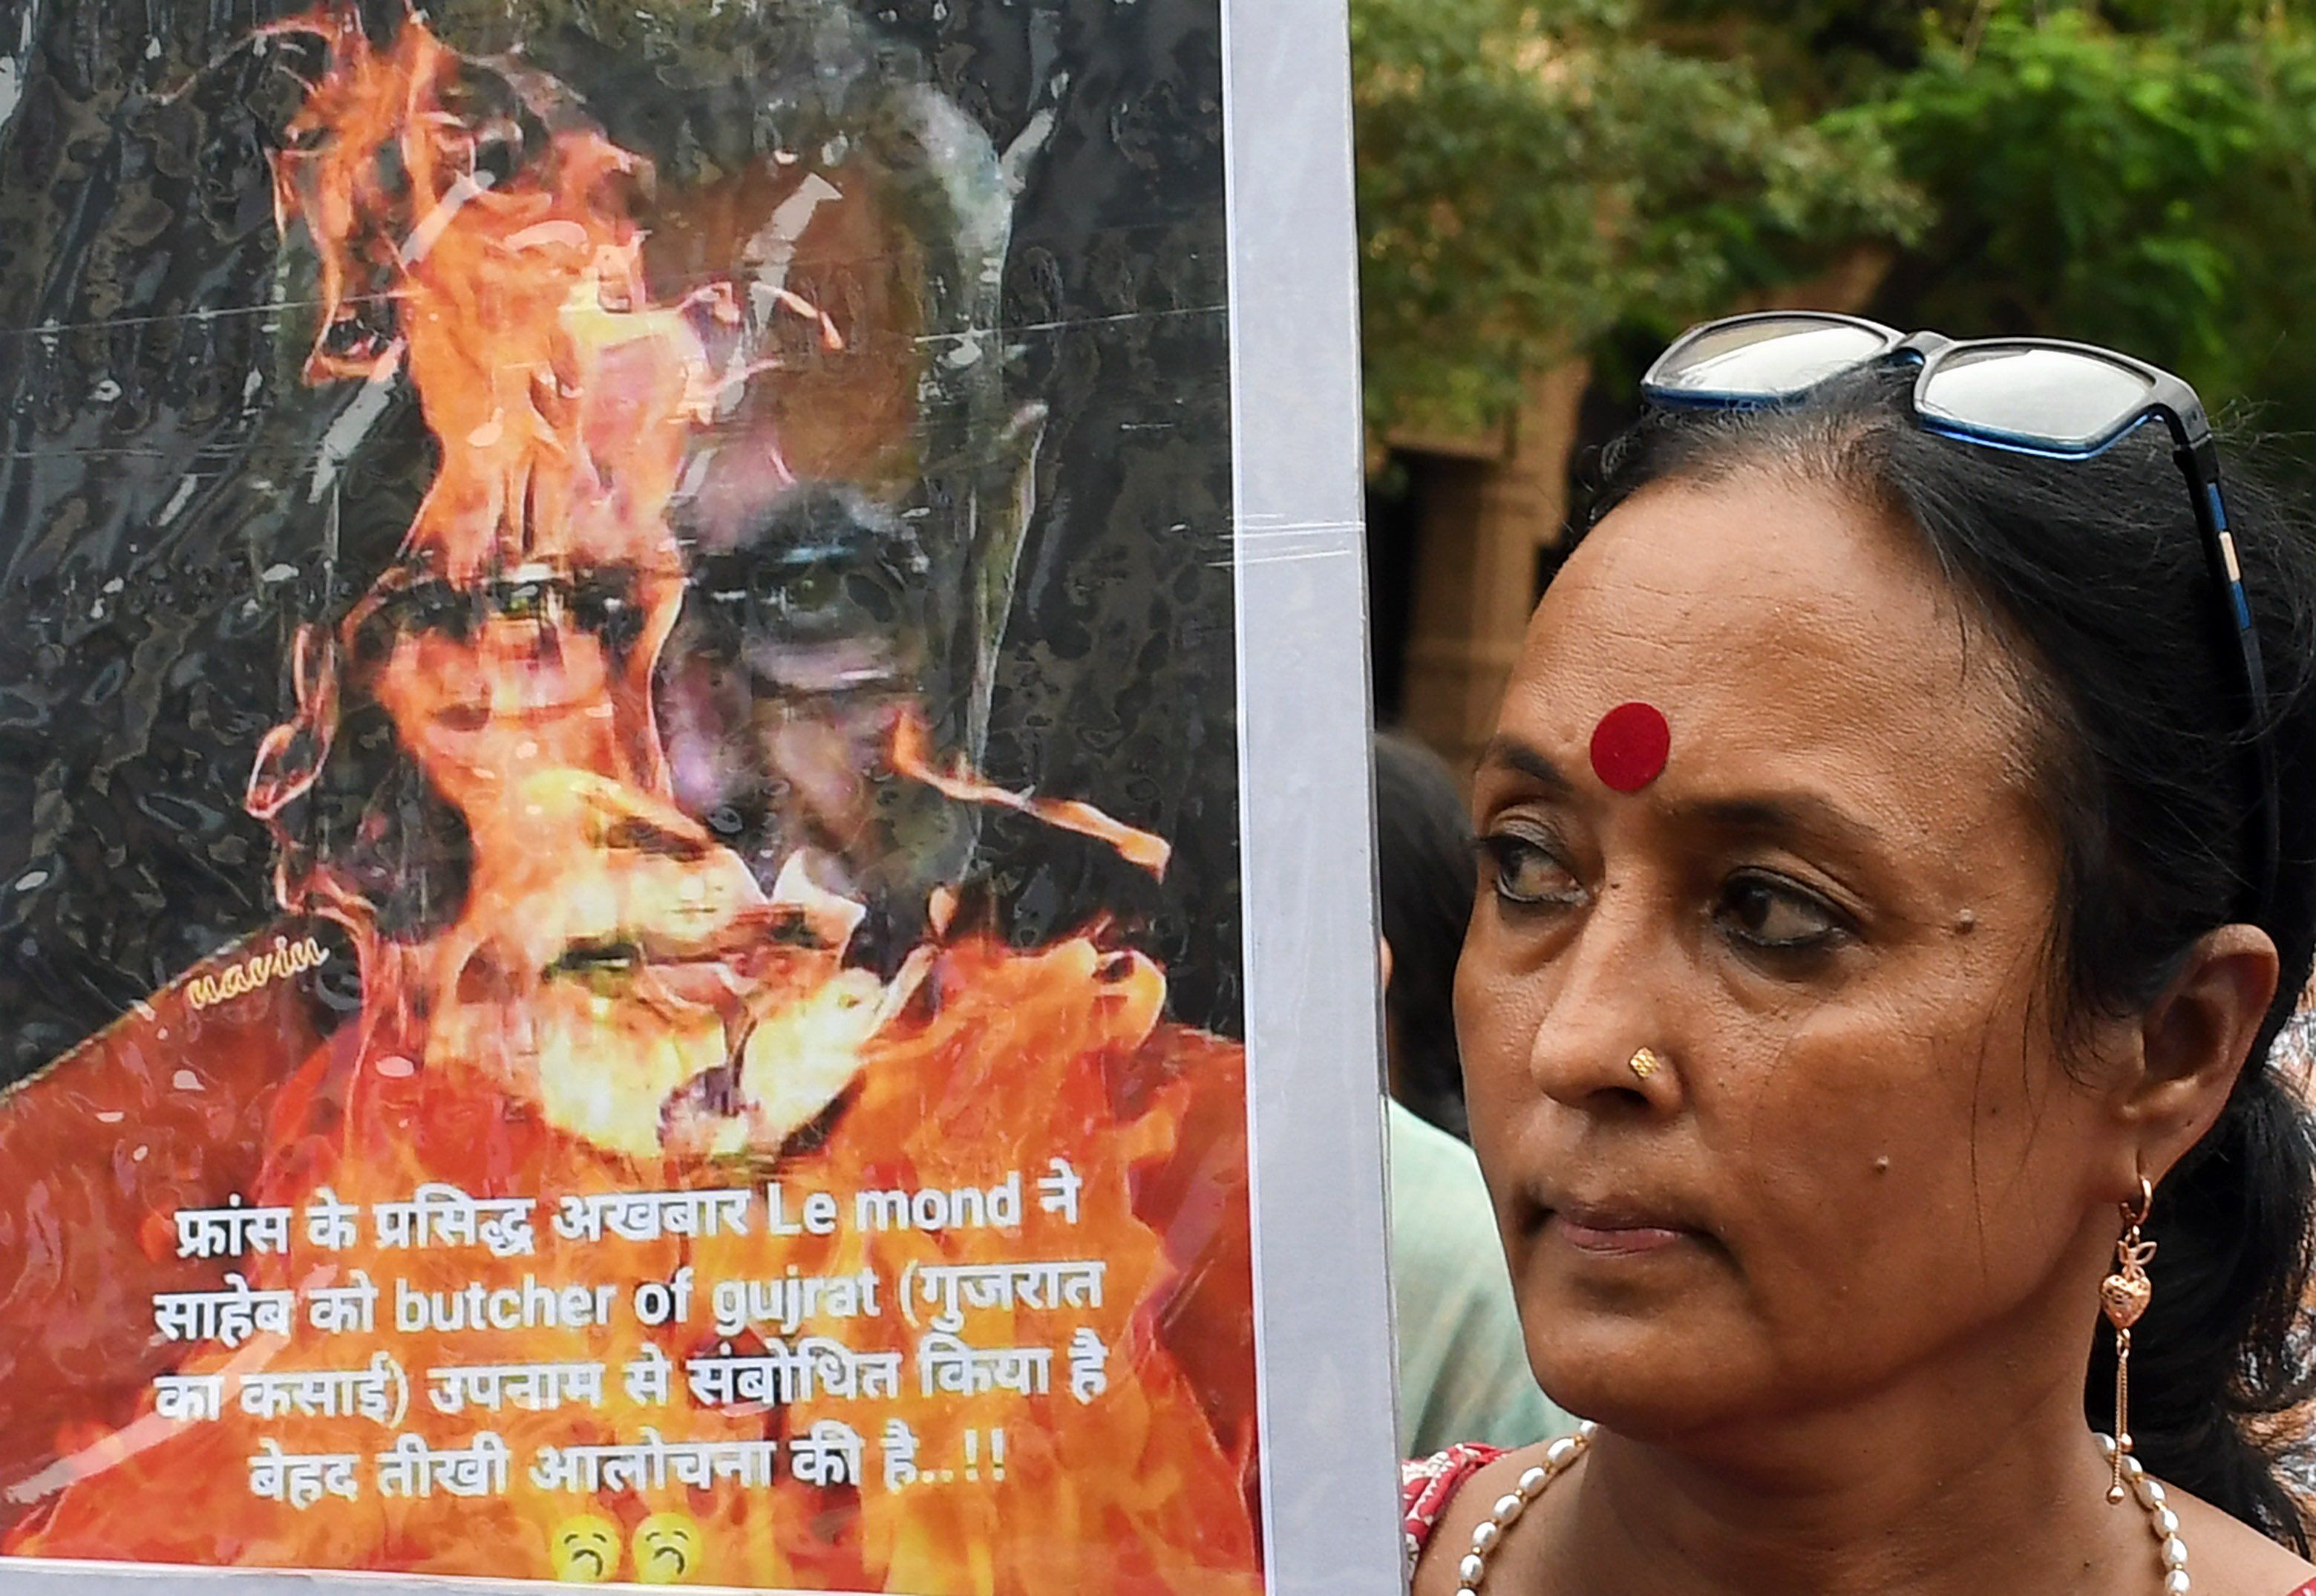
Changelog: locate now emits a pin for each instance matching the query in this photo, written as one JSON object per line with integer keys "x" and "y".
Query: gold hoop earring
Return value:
{"x": 2124, "y": 1296}
{"x": 1645, "y": 1063}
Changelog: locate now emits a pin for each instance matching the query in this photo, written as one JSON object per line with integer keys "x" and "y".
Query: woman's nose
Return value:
{"x": 1603, "y": 1038}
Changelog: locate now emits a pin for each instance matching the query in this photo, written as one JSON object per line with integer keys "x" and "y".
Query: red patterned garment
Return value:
{"x": 1426, "y": 1485}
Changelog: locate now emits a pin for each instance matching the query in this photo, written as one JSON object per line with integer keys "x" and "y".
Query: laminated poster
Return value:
{"x": 619, "y": 951}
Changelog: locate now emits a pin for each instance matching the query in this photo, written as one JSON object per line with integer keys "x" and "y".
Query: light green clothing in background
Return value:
{"x": 1463, "y": 1367}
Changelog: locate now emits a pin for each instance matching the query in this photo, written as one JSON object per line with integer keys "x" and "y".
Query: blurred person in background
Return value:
{"x": 1462, "y": 1367}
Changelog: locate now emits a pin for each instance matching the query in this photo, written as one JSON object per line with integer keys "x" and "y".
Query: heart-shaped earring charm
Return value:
{"x": 2125, "y": 1297}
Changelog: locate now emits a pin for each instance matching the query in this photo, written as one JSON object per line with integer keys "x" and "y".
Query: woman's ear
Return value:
{"x": 2194, "y": 1042}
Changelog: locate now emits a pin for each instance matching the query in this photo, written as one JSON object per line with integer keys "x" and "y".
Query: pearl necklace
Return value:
{"x": 1560, "y": 1456}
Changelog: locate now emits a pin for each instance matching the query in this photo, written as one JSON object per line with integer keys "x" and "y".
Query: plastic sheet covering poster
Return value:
{"x": 619, "y": 934}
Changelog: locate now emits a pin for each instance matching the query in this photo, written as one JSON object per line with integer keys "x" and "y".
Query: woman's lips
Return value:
{"x": 1613, "y": 1235}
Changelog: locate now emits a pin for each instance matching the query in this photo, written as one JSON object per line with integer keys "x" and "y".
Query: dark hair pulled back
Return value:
{"x": 2092, "y": 573}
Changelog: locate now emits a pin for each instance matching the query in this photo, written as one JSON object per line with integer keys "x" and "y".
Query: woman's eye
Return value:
{"x": 1773, "y": 913}
{"x": 1523, "y": 872}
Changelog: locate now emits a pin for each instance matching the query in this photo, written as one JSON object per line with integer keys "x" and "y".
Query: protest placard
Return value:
{"x": 637, "y": 952}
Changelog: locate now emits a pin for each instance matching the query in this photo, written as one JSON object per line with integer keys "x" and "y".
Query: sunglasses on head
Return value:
{"x": 2028, "y": 395}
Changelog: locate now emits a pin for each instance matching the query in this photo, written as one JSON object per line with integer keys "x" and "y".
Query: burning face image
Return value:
{"x": 686, "y": 1089}
{"x": 613, "y": 961}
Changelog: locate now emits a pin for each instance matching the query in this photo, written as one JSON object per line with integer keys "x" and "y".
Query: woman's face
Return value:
{"x": 1828, "y": 916}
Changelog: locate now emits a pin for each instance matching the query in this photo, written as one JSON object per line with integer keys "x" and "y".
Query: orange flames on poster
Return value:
{"x": 619, "y": 1006}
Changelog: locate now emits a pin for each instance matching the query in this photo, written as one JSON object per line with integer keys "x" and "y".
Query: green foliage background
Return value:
{"x": 1540, "y": 179}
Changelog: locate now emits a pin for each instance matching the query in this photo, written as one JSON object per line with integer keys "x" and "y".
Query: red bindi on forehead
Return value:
{"x": 1630, "y": 746}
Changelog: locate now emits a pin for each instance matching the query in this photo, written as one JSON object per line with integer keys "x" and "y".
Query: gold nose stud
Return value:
{"x": 1644, "y": 1063}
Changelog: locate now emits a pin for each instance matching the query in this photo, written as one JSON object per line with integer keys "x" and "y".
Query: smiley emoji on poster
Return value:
{"x": 667, "y": 1549}
{"x": 583, "y": 1549}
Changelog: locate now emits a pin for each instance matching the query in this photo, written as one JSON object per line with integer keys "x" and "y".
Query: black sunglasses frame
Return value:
{"x": 2169, "y": 399}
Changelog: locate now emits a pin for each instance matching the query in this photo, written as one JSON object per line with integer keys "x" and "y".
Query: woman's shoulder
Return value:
{"x": 2230, "y": 1558}
{"x": 1445, "y": 1498}
{"x": 1441, "y": 1503}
